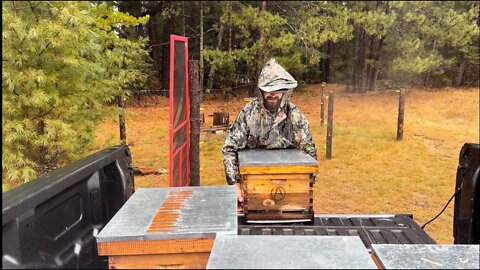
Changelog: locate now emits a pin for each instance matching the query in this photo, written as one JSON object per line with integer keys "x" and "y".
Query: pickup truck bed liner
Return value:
{"x": 372, "y": 229}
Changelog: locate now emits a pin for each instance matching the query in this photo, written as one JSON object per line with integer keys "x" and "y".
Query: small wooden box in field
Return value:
{"x": 277, "y": 183}
{"x": 168, "y": 227}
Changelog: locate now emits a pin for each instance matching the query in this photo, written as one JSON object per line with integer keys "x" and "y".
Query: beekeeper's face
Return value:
{"x": 273, "y": 99}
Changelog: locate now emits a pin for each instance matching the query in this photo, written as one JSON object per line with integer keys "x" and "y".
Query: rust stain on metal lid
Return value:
{"x": 169, "y": 211}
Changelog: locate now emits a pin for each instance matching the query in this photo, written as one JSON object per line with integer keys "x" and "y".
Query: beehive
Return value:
{"x": 168, "y": 227}
{"x": 277, "y": 183}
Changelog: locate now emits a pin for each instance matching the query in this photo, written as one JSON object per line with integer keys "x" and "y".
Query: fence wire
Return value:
{"x": 146, "y": 91}
{"x": 363, "y": 93}
{"x": 207, "y": 90}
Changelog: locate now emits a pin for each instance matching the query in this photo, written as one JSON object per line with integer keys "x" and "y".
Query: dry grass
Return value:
{"x": 370, "y": 172}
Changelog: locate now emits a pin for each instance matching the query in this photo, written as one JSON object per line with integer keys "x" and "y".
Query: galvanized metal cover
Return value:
{"x": 204, "y": 212}
{"x": 372, "y": 229}
{"x": 275, "y": 157}
{"x": 427, "y": 256}
{"x": 287, "y": 252}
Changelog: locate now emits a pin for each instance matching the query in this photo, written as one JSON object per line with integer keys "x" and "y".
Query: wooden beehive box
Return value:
{"x": 168, "y": 227}
{"x": 277, "y": 183}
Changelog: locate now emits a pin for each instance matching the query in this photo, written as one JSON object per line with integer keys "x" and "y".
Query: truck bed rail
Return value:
{"x": 52, "y": 221}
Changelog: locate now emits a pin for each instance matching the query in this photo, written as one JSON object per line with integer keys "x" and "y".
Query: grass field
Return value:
{"x": 370, "y": 171}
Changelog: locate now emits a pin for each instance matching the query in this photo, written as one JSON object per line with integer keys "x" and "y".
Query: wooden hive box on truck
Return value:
{"x": 277, "y": 183}
{"x": 168, "y": 227}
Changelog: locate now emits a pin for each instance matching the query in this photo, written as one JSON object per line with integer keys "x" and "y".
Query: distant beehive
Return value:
{"x": 277, "y": 183}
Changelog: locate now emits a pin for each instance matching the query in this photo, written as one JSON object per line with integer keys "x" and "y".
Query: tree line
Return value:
{"x": 360, "y": 44}
{"x": 65, "y": 62}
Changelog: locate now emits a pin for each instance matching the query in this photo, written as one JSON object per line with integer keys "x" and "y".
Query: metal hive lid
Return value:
{"x": 421, "y": 256}
{"x": 282, "y": 252}
{"x": 275, "y": 157}
{"x": 172, "y": 213}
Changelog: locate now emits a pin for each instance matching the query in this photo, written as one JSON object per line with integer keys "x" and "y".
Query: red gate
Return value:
{"x": 179, "y": 167}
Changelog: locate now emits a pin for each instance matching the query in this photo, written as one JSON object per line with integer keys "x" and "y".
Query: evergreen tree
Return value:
{"x": 62, "y": 62}
{"x": 248, "y": 23}
{"x": 431, "y": 37}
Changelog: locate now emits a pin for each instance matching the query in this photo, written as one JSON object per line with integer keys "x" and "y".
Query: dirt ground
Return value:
{"x": 370, "y": 171}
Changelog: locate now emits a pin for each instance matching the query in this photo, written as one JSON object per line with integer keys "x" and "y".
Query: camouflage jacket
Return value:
{"x": 256, "y": 127}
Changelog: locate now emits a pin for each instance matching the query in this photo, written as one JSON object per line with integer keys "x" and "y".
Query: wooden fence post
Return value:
{"x": 322, "y": 106}
{"x": 195, "y": 121}
{"x": 121, "y": 118}
{"x": 330, "y": 125}
{"x": 401, "y": 113}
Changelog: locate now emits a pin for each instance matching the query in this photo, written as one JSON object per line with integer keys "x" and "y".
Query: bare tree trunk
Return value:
{"x": 183, "y": 11}
{"x": 264, "y": 8}
{"x": 229, "y": 91}
{"x": 363, "y": 70}
{"x": 331, "y": 55}
{"x": 354, "y": 74}
{"x": 229, "y": 38}
{"x": 401, "y": 114}
{"x": 154, "y": 41}
{"x": 369, "y": 67}
{"x": 212, "y": 68}
{"x": 358, "y": 60}
{"x": 259, "y": 58}
{"x": 42, "y": 151}
{"x": 427, "y": 79}
{"x": 458, "y": 79}
{"x": 329, "y": 125}
{"x": 323, "y": 64}
{"x": 372, "y": 67}
{"x": 378, "y": 51}
{"x": 168, "y": 27}
{"x": 201, "y": 45}
{"x": 373, "y": 82}
{"x": 195, "y": 120}
{"x": 121, "y": 119}
{"x": 229, "y": 5}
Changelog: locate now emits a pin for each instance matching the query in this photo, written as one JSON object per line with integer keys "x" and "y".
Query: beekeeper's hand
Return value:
{"x": 240, "y": 197}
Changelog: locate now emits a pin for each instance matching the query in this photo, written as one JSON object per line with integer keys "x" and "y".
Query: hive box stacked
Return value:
{"x": 168, "y": 227}
{"x": 277, "y": 183}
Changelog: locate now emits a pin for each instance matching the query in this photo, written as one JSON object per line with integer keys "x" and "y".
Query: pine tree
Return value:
{"x": 431, "y": 37}
{"x": 62, "y": 63}
{"x": 247, "y": 24}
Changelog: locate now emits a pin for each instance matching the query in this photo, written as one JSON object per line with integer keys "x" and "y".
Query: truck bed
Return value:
{"x": 372, "y": 229}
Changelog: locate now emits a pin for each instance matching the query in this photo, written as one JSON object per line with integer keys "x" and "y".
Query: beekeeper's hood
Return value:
{"x": 274, "y": 77}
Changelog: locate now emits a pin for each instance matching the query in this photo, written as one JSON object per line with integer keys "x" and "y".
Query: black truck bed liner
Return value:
{"x": 372, "y": 229}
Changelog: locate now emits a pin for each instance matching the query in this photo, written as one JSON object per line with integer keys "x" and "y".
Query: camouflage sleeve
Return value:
{"x": 303, "y": 136}
{"x": 236, "y": 139}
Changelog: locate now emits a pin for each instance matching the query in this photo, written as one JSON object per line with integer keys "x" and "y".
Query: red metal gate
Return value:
{"x": 179, "y": 167}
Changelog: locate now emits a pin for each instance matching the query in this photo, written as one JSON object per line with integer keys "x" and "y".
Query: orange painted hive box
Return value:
{"x": 168, "y": 227}
{"x": 277, "y": 183}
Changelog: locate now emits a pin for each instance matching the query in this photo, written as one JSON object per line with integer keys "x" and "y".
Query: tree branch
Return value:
{"x": 56, "y": 35}
{"x": 33, "y": 11}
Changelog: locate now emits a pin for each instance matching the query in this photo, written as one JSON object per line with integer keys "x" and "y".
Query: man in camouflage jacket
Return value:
{"x": 270, "y": 121}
